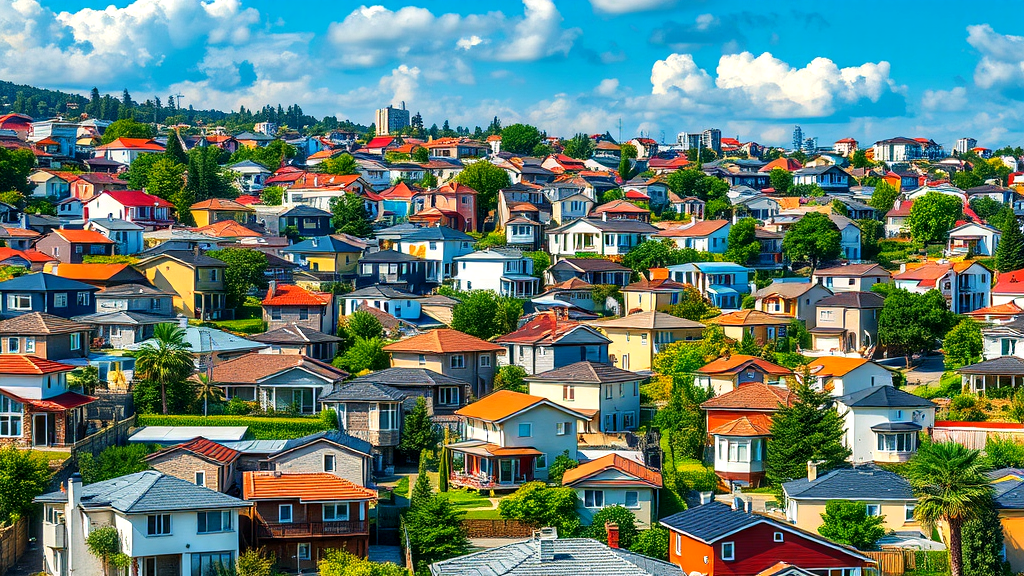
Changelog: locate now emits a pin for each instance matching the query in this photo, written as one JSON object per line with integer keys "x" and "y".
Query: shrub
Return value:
{"x": 537, "y": 504}
{"x": 260, "y": 427}
{"x": 558, "y": 467}
{"x": 238, "y": 407}
{"x": 1004, "y": 453}
{"x": 255, "y": 562}
{"x": 703, "y": 480}
{"x": 619, "y": 515}
{"x": 329, "y": 417}
{"x": 652, "y": 543}
{"x": 966, "y": 408}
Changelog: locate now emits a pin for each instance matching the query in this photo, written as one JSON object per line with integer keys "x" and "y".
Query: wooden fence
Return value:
{"x": 900, "y": 561}
{"x": 496, "y": 528}
{"x": 13, "y": 543}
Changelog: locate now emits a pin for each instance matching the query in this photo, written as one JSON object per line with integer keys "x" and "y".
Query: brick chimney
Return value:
{"x": 613, "y": 534}
{"x": 272, "y": 289}
{"x": 812, "y": 470}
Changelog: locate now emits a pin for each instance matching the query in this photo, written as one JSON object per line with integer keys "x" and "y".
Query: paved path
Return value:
{"x": 32, "y": 561}
{"x": 391, "y": 554}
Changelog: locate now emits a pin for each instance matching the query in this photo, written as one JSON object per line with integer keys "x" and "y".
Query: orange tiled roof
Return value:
{"x": 999, "y": 309}
{"x": 25, "y": 364}
{"x": 925, "y": 274}
{"x": 203, "y": 448}
{"x": 1009, "y": 283}
{"x": 133, "y": 144}
{"x": 441, "y": 341}
{"x": 748, "y": 318}
{"x": 308, "y": 487}
{"x": 612, "y": 462}
{"x": 228, "y": 229}
{"x": 83, "y": 236}
{"x": 835, "y": 365}
{"x": 756, "y": 425}
{"x": 544, "y": 328}
{"x": 753, "y": 396}
{"x": 220, "y": 204}
{"x": 15, "y": 232}
{"x": 620, "y": 206}
{"x": 736, "y": 363}
{"x": 702, "y": 228}
{"x": 292, "y": 295}
{"x": 500, "y": 405}
{"x": 573, "y": 283}
{"x": 89, "y": 271}
{"x": 31, "y": 255}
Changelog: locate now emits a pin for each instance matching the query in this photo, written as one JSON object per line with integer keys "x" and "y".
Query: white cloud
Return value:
{"x": 627, "y": 6}
{"x": 1002, "y": 62}
{"x": 679, "y": 71}
{"x": 945, "y": 100}
{"x": 538, "y": 35}
{"x": 607, "y": 87}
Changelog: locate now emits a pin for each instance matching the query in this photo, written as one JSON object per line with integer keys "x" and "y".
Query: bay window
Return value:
{"x": 10, "y": 417}
{"x": 897, "y": 442}
{"x": 387, "y": 416}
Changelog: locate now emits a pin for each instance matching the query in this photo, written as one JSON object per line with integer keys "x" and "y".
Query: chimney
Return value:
{"x": 273, "y": 288}
{"x": 812, "y": 470}
{"x": 737, "y": 503}
{"x": 613, "y": 534}
{"x": 706, "y": 497}
{"x": 545, "y": 538}
{"x": 75, "y": 490}
{"x": 748, "y": 506}
{"x": 604, "y": 215}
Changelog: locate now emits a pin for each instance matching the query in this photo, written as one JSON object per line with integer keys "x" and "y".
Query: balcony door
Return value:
{"x": 40, "y": 427}
{"x": 506, "y": 471}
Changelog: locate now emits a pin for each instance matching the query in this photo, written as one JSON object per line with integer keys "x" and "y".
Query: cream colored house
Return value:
{"x": 840, "y": 376}
{"x": 610, "y": 396}
{"x": 791, "y": 299}
{"x": 614, "y": 480}
{"x": 451, "y": 353}
{"x": 648, "y": 295}
{"x": 637, "y": 338}
{"x": 846, "y": 323}
{"x": 851, "y": 277}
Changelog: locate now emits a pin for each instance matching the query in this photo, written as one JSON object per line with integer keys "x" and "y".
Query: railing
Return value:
{"x": 304, "y": 529}
{"x": 482, "y": 482}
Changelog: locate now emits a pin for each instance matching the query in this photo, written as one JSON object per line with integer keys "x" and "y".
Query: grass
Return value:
{"x": 462, "y": 498}
{"x": 483, "y": 514}
{"x": 948, "y": 386}
{"x": 689, "y": 465}
{"x": 402, "y": 487}
{"x": 243, "y": 325}
{"x": 49, "y": 456}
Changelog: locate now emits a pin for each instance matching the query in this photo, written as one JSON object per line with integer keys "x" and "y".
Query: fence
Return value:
{"x": 13, "y": 543}
{"x": 899, "y": 562}
{"x": 495, "y": 528}
{"x": 115, "y": 435}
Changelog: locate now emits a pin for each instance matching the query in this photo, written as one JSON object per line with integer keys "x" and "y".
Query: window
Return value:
{"x": 214, "y": 521}
{"x": 632, "y": 499}
{"x": 76, "y": 341}
{"x": 448, "y": 395}
{"x": 10, "y": 417}
{"x": 200, "y": 478}
{"x": 874, "y": 509}
{"x": 83, "y": 298}
{"x": 388, "y": 417}
{"x": 275, "y": 312}
{"x": 60, "y": 300}
{"x": 643, "y": 339}
{"x": 628, "y": 420}
{"x": 908, "y": 512}
{"x": 1009, "y": 346}
{"x": 898, "y": 442}
{"x": 422, "y": 360}
{"x": 337, "y": 512}
{"x": 30, "y": 345}
{"x": 608, "y": 392}
{"x": 213, "y": 275}
{"x": 485, "y": 360}
{"x": 14, "y": 345}
{"x": 211, "y": 564}
{"x": 679, "y": 544}
{"x": 568, "y": 392}
{"x": 728, "y": 551}
{"x": 779, "y": 537}
{"x": 303, "y": 313}
{"x": 825, "y": 314}
{"x": 158, "y": 525}
{"x": 563, "y": 428}
{"x": 284, "y": 513}
{"x": 541, "y": 462}
{"x": 525, "y": 430}
{"x": 329, "y": 462}
{"x": 593, "y": 498}
{"x": 19, "y": 301}
{"x": 304, "y": 551}
{"x": 458, "y": 361}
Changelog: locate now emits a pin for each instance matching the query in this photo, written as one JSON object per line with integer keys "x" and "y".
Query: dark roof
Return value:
{"x": 409, "y": 377}
{"x": 191, "y": 258}
{"x": 148, "y": 491}
{"x": 896, "y": 427}
{"x": 853, "y": 300}
{"x": 587, "y": 373}
{"x": 140, "y": 290}
{"x": 709, "y": 522}
{"x": 436, "y": 233}
{"x": 43, "y": 282}
{"x": 294, "y": 334}
{"x": 380, "y": 291}
{"x": 364, "y": 391}
{"x": 884, "y": 397}
{"x": 324, "y": 244}
{"x": 589, "y": 265}
{"x": 38, "y": 324}
{"x": 304, "y": 210}
{"x": 336, "y": 436}
{"x": 867, "y": 483}
{"x": 1000, "y": 365}
{"x": 389, "y": 256}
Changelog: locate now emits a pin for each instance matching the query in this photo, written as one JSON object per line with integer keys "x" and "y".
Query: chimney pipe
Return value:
{"x": 737, "y": 503}
{"x": 706, "y": 497}
{"x": 812, "y": 470}
{"x": 748, "y": 506}
{"x": 613, "y": 534}
{"x": 273, "y": 288}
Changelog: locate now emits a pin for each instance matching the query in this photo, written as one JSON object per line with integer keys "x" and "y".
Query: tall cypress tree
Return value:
{"x": 175, "y": 151}
{"x": 1010, "y": 252}
{"x": 810, "y": 429}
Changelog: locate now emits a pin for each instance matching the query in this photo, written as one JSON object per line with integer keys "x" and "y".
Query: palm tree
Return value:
{"x": 206, "y": 390}
{"x": 166, "y": 359}
{"x": 951, "y": 486}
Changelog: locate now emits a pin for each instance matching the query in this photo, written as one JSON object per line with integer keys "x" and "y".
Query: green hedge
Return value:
{"x": 260, "y": 427}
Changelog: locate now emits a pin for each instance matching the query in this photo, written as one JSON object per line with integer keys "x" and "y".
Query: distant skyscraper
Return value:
{"x": 798, "y": 139}
{"x": 964, "y": 145}
{"x": 391, "y": 120}
{"x": 810, "y": 145}
{"x": 712, "y": 139}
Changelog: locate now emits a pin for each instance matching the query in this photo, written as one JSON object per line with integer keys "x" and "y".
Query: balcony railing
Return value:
{"x": 306, "y": 529}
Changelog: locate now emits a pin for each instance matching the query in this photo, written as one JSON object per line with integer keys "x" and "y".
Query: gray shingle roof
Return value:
{"x": 148, "y": 491}
{"x": 364, "y": 391}
{"x": 884, "y": 397}
{"x": 436, "y": 233}
{"x": 1000, "y": 365}
{"x": 336, "y": 436}
{"x": 709, "y": 522}
{"x": 190, "y": 258}
{"x": 1009, "y": 495}
{"x": 853, "y": 300}
{"x": 379, "y": 291}
{"x": 409, "y": 377}
{"x": 586, "y": 372}
{"x": 42, "y": 282}
{"x": 868, "y": 483}
{"x": 294, "y": 334}
{"x": 389, "y": 256}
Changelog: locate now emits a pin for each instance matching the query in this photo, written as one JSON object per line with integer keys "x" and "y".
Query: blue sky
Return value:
{"x": 870, "y": 70}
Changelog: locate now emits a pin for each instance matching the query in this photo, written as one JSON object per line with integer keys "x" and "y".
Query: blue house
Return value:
{"x": 308, "y": 221}
{"x": 724, "y": 283}
{"x": 41, "y": 292}
{"x": 398, "y": 270}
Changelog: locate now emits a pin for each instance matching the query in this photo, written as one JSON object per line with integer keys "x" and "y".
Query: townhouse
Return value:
{"x": 637, "y": 338}
{"x": 722, "y": 283}
{"x": 504, "y": 270}
{"x": 602, "y": 237}
{"x": 965, "y": 285}
{"x": 609, "y": 395}
{"x": 551, "y": 340}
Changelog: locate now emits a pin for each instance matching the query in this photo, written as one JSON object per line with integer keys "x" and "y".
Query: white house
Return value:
{"x": 614, "y": 480}
{"x": 504, "y": 270}
{"x": 973, "y": 238}
{"x": 437, "y": 243}
{"x": 896, "y": 219}
{"x": 898, "y": 149}
{"x": 251, "y": 175}
{"x": 947, "y": 189}
{"x": 701, "y": 235}
{"x": 127, "y": 236}
{"x": 398, "y": 303}
{"x": 126, "y": 150}
{"x": 146, "y": 210}
{"x": 850, "y": 241}
{"x": 841, "y": 376}
{"x": 604, "y": 237}
{"x": 167, "y": 525}
{"x": 966, "y": 285}
{"x": 69, "y": 210}
{"x": 759, "y": 207}
{"x": 611, "y": 394}
{"x": 882, "y": 423}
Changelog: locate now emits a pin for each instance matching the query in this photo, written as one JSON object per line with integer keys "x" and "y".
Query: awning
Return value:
{"x": 720, "y": 290}
{"x": 896, "y": 427}
{"x": 59, "y": 403}
{"x": 488, "y": 450}
{"x": 827, "y": 331}
{"x": 520, "y": 278}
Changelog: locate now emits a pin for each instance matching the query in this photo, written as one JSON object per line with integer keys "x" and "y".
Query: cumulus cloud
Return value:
{"x": 1002, "y": 62}
{"x": 607, "y": 87}
{"x": 680, "y": 72}
{"x": 945, "y": 100}
{"x": 538, "y": 35}
{"x": 627, "y": 6}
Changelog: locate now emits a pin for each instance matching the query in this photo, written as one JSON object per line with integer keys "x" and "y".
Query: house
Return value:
{"x": 840, "y": 376}
{"x": 728, "y": 373}
{"x": 524, "y": 233}
{"x": 46, "y": 336}
{"x": 510, "y": 440}
{"x": 851, "y": 277}
{"x": 18, "y": 238}
{"x": 997, "y": 313}
{"x": 167, "y": 525}
{"x": 380, "y": 144}
{"x": 721, "y": 282}
{"x": 739, "y": 424}
{"x": 849, "y": 241}
{"x": 830, "y": 178}
{"x": 882, "y": 492}
{"x": 141, "y": 298}
{"x": 299, "y": 338}
{"x": 846, "y": 323}
{"x": 121, "y": 328}
{"x": 897, "y": 150}
{"x": 703, "y": 236}
{"x": 451, "y": 353}
{"x": 252, "y": 140}
{"x": 503, "y": 270}
{"x": 896, "y": 219}
{"x": 574, "y": 292}
{"x": 649, "y": 295}
{"x": 551, "y": 340}
{"x": 394, "y": 301}
{"x": 762, "y": 328}
{"x": 99, "y": 275}
{"x": 371, "y": 412}
{"x": 325, "y": 254}
{"x": 216, "y": 210}
{"x": 150, "y": 212}
{"x": 452, "y": 197}
{"x": 126, "y": 150}
{"x": 603, "y": 237}
{"x": 973, "y": 239}
{"x": 196, "y": 280}
{"x": 791, "y": 299}
{"x": 230, "y": 230}
{"x": 86, "y": 186}
{"x": 288, "y": 304}
{"x": 42, "y": 292}
{"x": 307, "y": 221}
{"x": 399, "y": 270}
{"x": 298, "y": 517}
{"x": 439, "y": 244}
{"x": 645, "y": 147}
{"x": 397, "y": 201}
{"x": 621, "y": 210}
{"x": 966, "y": 285}
{"x": 1009, "y": 286}
{"x": 278, "y": 381}
{"x": 331, "y": 452}
{"x": 210, "y": 346}
{"x": 1007, "y": 485}
{"x": 550, "y": 555}
{"x": 593, "y": 271}
{"x": 613, "y": 480}
{"x": 883, "y": 423}
{"x": 608, "y": 395}
{"x": 637, "y": 338}
{"x": 126, "y": 236}
{"x": 72, "y": 245}
{"x": 36, "y": 407}
{"x": 251, "y": 176}
{"x": 714, "y": 538}
{"x": 443, "y": 394}
{"x": 30, "y": 259}
{"x": 199, "y": 461}
{"x": 50, "y": 183}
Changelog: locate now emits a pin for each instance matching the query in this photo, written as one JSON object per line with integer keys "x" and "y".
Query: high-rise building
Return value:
{"x": 798, "y": 139}
{"x": 710, "y": 139}
{"x": 964, "y": 145}
{"x": 810, "y": 145}
{"x": 391, "y": 120}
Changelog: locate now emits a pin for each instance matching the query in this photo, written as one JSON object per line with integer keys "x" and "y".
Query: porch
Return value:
{"x": 519, "y": 285}
{"x": 310, "y": 529}
{"x": 483, "y": 466}
{"x": 992, "y": 374}
{"x": 298, "y": 399}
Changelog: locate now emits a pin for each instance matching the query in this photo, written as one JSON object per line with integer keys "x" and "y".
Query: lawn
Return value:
{"x": 243, "y": 326}
{"x": 402, "y": 487}
{"x": 48, "y": 457}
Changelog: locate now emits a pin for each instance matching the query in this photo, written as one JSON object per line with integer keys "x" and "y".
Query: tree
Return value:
{"x": 167, "y": 180}
{"x": 421, "y": 490}
{"x": 911, "y": 323}
{"x": 520, "y": 138}
{"x": 883, "y": 197}
{"x": 693, "y": 305}
{"x": 365, "y": 354}
{"x": 932, "y": 216}
{"x": 339, "y": 562}
{"x": 542, "y": 150}
{"x": 344, "y": 165}
{"x": 537, "y": 504}
{"x": 85, "y": 379}
{"x": 618, "y": 515}
{"x": 951, "y": 486}
{"x": 579, "y": 146}
{"x": 362, "y": 324}
{"x": 541, "y": 262}
{"x": 175, "y": 151}
{"x": 434, "y": 525}
{"x": 22, "y": 478}
{"x": 13, "y": 198}
{"x": 349, "y": 216}
{"x": 206, "y": 391}
{"x": 482, "y": 313}
{"x": 848, "y": 523}
{"x": 983, "y": 545}
{"x": 272, "y": 196}
{"x": 126, "y": 128}
{"x": 270, "y": 156}
{"x": 15, "y": 166}
{"x": 743, "y": 244}
{"x": 166, "y": 362}
{"x": 421, "y": 155}
{"x": 627, "y": 170}
{"x": 428, "y": 181}
{"x": 258, "y": 562}
{"x": 444, "y": 464}
{"x": 105, "y": 543}
{"x": 781, "y": 180}
{"x": 138, "y": 171}
{"x": 113, "y": 462}
{"x": 966, "y": 180}
{"x": 963, "y": 344}
{"x": 811, "y": 429}
{"x": 652, "y": 543}
{"x": 859, "y": 159}
{"x": 813, "y": 239}
{"x": 246, "y": 272}
{"x": 510, "y": 377}
{"x": 1010, "y": 252}
{"x": 986, "y": 207}
{"x": 562, "y": 463}
{"x": 487, "y": 179}
{"x": 205, "y": 180}
{"x": 613, "y": 194}
{"x": 418, "y": 432}
{"x": 871, "y": 231}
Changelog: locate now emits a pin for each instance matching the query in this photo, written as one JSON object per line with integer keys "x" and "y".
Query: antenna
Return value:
{"x": 179, "y": 96}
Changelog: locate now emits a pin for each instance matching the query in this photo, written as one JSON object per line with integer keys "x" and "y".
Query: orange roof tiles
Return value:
{"x": 620, "y": 206}
{"x": 612, "y": 462}
{"x": 442, "y": 341}
{"x": 999, "y": 309}
{"x": 572, "y": 284}
{"x": 292, "y": 295}
{"x": 228, "y": 229}
{"x": 30, "y": 365}
{"x": 89, "y": 271}
{"x": 15, "y": 232}
{"x": 544, "y": 328}
{"x": 145, "y": 144}
{"x": 499, "y": 405}
{"x": 925, "y": 274}
{"x": 754, "y": 396}
{"x": 748, "y": 318}
{"x": 83, "y": 236}
{"x": 207, "y": 449}
{"x": 1009, "y": 283}
{"x": 401, "y": 190}
{"x": 308, "y": 487}
{"x": 784, "y": 163}
{"x": 702, "y": 228}
{"x": 737, "y": 362}
{"x": 221, "y": 204}
{"x": 835, "y": 365}
{"x": 454, "y": 188}
{"x": 745, "y": 427}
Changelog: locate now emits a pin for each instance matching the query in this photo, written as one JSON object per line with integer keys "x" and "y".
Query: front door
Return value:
{"x": 505, "y": 472}
{"x": 39, "y": 428}
{"x": 297, "y": 399}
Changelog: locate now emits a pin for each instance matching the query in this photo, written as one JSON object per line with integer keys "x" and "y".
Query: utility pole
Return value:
{"x": 179, "y": 96}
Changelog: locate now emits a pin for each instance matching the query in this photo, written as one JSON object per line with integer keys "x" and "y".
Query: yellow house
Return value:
{"x": 759, "y": 326}
{"x": 325, "y": 254}
{"x": 219, "y": 209}
{"x": 638, "y": 337}
{"x": 881, "y": 492}
{"x": 649, "y": 295}
{"x": 1009, "y": 485}
{"x": 196, "y": 280}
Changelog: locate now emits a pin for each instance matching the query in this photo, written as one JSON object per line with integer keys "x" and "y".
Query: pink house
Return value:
{"x": 454, "y": 200}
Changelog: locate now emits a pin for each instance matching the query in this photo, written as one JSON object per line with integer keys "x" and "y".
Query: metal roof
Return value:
{"x": 148, "y": 491}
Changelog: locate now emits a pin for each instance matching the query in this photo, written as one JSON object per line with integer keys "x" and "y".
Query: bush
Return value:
{"x": 537, "y": 504}
{"x": 1004, "y": 453}
{"x": 696, "y": 481}
{"x": 619, "y": 515}
{"x": 255, "y": 562}
{"x": 114, "y": 461}
{"x": 238, "y": 407}
{"x": 429, "y": 459}
{"x": 967, "y": 408}
{"x": 652, "y": 543}
{"x": 559, "y": 466}
{"x": 260, "y": 427}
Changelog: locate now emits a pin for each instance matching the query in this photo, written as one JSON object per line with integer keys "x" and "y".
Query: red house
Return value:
{"x": 715, "y": 539}
{"x": 454, "y": 206}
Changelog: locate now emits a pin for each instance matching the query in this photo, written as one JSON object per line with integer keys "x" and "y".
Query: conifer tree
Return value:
{"x": 1010, "y": 252}
{"x": 175, "y": 151}
{"x": 809, "y": 430}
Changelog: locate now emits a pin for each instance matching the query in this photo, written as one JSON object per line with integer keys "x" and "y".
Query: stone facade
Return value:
{"x": 184, "y": 465}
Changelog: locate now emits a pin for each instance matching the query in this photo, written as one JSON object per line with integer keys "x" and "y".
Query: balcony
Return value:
{"x": 53, "y": 535}
{"x": 309, "y": 529}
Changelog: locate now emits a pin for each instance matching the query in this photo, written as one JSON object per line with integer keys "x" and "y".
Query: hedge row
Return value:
{"x": 260, "y": 427}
